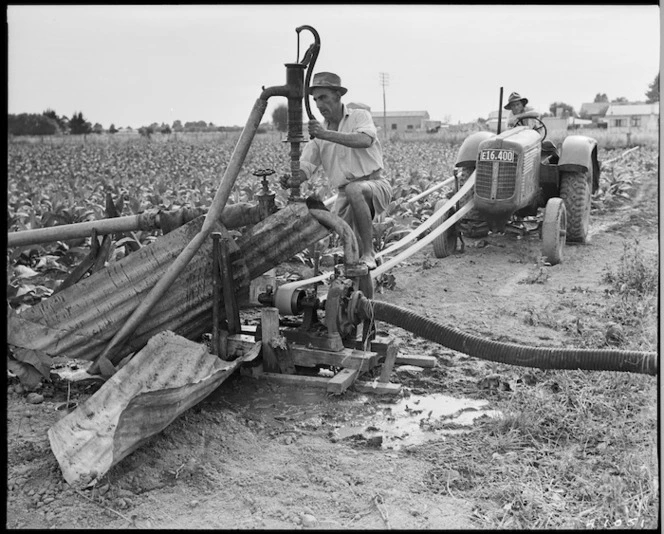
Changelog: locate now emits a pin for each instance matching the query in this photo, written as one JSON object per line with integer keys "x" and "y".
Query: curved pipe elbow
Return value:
{"x": 276, "y": 90}
{"x": 335, "y": 223}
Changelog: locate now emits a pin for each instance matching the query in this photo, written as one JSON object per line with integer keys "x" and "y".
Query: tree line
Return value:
{"x": 49, "y": 123}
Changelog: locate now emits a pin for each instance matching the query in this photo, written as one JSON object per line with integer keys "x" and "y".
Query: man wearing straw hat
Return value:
{"x": 517, "y": 105}
{"x": 346, "y": 146}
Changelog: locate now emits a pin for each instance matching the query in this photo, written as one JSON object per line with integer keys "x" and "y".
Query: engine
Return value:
{"x": 507, "y": 174}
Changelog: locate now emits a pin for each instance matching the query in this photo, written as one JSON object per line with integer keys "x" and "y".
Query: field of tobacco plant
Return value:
{"x": 572, "y": 450}
{"x": 65, "y": 183}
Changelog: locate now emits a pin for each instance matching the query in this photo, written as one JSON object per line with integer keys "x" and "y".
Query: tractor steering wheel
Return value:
{"x": 539, "y": 128}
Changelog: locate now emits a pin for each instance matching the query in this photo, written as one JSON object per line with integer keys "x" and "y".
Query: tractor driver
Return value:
{"x": 517, "y": 105}
{"x": 346, "y": 146}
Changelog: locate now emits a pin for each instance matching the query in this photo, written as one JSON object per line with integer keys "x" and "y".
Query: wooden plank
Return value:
{"x": 342, "y": 381}
{"x": 415, "y": 359}
{"x": 347, "y": 358}
{"x": 380, "y": 388}
{"x": 388, "y": 364}
{"x": 299, "y": 380}
{"x": 269, "y": 329}
{"x": 378, "y": 344}
{"x": 283, "y": 355}
{"x": 230, "y": 299}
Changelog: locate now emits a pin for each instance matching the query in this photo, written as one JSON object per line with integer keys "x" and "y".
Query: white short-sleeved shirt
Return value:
{"x": 343, "y": 164}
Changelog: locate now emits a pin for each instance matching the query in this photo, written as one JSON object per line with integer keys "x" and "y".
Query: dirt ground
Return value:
{"x": 260, "y": 455}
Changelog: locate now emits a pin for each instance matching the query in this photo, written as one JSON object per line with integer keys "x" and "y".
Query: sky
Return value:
{"x": 133, "y": 65}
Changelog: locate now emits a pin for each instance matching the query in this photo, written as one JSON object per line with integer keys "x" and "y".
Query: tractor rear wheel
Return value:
{"x": 445, "y": 243}
{"x": 575, "y": 191}
{"x": 554, "y": 228}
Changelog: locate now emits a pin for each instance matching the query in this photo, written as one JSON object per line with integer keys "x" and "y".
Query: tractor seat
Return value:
{"x": 549, "y": 152}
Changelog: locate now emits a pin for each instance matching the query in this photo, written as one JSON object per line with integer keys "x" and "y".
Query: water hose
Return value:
{"x": 438, "y": 214}
{"x": 510, "y": 353}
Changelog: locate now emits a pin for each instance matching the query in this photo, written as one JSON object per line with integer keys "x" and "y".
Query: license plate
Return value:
{"x": 495, "y": 154}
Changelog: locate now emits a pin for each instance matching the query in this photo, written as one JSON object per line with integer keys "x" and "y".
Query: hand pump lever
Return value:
{"x": 310, "y": 56}
{"x": 297, "y": 88}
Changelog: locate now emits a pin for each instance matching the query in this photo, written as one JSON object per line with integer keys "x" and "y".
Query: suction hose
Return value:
{"x": 510, "y": 353}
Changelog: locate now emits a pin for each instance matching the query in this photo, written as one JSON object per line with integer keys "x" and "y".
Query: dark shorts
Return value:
{"x": 380, "y": 193}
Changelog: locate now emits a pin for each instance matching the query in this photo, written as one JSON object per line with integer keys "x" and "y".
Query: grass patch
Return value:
{"x": 576, "y": 450}
{"x": 634, "y": 286}
{"x": 637, "y": 274}
{"x": 624, "y": 315}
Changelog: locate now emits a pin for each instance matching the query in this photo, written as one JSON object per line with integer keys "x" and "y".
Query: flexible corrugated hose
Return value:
{"x": 510, "y": 353}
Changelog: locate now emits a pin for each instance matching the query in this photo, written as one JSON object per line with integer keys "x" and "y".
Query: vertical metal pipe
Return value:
{"x": 295, "y": 83}
{"x": 500, "y": 111}
{"x": 216, "y": 292}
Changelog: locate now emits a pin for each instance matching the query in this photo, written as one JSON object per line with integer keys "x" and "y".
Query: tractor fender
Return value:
{"x": 579, "y": 153}
{"x": 467, "y": 155}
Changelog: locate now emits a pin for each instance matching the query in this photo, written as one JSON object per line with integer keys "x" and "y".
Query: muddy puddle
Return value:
{"x": 415, "y": 420}
{"x": 376, "y": 421}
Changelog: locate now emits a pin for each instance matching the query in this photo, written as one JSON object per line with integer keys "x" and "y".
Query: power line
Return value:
{"x": 384, "y": 78}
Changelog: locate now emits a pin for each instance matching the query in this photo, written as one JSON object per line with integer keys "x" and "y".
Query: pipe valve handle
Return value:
{"x": 263, "y": 172}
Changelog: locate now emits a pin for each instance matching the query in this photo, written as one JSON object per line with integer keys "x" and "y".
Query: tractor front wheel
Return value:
{"x": 445, "y": 243}
{"x": 472, "y": 225}
{"x": 554, "y": 230}
{"x": 575, "y": 191}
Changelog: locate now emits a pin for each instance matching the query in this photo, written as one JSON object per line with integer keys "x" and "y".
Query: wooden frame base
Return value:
{"x": 352, "y": 362}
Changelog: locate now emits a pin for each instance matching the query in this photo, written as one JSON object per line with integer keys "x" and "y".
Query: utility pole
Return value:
{"x": 384, "y": 80}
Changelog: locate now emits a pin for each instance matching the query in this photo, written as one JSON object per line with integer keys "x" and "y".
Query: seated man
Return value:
{"x": 346, "y": 146}
{"x": 517, "y": 105}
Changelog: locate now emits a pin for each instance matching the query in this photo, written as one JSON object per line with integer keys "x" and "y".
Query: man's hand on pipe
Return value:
{"x": 287, "y": 181}
{"x": 316, "y": 129}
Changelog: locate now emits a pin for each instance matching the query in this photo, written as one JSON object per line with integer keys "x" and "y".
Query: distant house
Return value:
{"x": 556, "y": 124}
{"x": 566, "y": 122}
{"x": 576, "y": 122}
{"x": 633, "y": 117}
{"x": 595, "y": 112}
{"x": 435, "y": 126}
{"x": 492, "y": 121}
{"x": 401, "y": 121}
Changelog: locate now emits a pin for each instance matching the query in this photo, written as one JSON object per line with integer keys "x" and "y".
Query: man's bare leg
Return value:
{"x": 359, "y": 198}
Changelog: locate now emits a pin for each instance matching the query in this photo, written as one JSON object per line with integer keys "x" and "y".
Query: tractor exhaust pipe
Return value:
{"x": 500, "y": 111}
{"x": 510, "y": 353}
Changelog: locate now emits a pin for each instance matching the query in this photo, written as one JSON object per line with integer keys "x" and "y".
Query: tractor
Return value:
{"x": 516, "y": 173}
